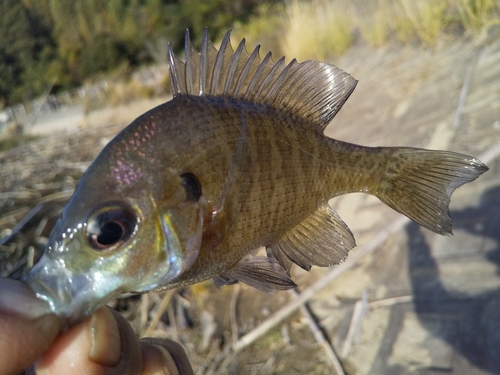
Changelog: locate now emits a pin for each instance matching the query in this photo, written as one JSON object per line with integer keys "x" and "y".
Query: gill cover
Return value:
{"x": 179, "y": 235}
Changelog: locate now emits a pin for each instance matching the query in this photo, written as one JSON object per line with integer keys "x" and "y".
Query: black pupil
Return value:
{"x": 110, "y": 225}
{"x": 110, "y": 233}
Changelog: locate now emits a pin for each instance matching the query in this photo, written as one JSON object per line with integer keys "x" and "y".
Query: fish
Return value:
{"x": 235, "y": 161}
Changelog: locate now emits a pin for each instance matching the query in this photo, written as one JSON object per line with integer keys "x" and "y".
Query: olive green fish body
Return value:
{"x": 236, "y": 160}
{"x": 290, "y": 170}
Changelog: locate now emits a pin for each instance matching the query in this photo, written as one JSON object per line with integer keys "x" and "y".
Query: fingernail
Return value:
{"x": 158, "y": 359}
{"x": 105, "y": 338}
{"x": 16, "y": 298}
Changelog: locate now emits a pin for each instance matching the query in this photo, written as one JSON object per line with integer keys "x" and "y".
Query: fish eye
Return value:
{"x": 192, "y": 186}
{"x": 110, "y": 225}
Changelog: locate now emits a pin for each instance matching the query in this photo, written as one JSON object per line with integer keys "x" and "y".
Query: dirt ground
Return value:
{"x": 418, "y": 304}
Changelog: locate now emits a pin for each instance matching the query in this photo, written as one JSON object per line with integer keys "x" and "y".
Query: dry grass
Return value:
{"x": 372, "y": 22}
{"x": 426, "y": 17}
{"x": 126, "y": 92}
{"x": 320, "y": 23}
{"x": 476, "y": 14}
{"x": 124, "y": 86}
{"x": 321, "y": 29}
{"x": 264, "y": 29}
{"x": 11, "y": 142}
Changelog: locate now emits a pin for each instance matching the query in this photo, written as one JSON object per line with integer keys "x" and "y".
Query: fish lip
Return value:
{"x": 70, "y": 296}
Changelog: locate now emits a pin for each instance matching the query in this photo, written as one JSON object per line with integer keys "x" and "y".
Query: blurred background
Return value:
{"x": 73, "y": 73}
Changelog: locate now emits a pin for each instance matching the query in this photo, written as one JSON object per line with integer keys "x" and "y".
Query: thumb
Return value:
{"x": 24, "y": 333}
{"x": 105, "y": 343}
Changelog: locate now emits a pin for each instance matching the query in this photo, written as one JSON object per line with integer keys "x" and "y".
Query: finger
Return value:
{"x": 102, "y": 344}
{"x": 162, "y": 356}
{"x": 22, "y": 341}
{"x": 23, "y": 337}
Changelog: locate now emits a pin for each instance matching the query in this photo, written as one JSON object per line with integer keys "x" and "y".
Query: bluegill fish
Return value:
{"x": 235, "y": 161}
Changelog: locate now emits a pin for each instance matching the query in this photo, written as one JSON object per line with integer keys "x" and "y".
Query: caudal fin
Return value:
{"x": 419, "y": 183}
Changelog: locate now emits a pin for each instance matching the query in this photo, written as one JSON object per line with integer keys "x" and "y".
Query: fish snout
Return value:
{"x": 70, "y": 296}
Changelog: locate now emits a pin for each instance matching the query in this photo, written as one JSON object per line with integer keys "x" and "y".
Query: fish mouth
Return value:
{"x": 70, "y": 296}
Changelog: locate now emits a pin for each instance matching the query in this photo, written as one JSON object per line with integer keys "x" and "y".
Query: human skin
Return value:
{"x": 104, "y": 343}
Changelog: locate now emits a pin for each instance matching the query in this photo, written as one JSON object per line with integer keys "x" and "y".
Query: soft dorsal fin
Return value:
{"x": 313, "y": 90}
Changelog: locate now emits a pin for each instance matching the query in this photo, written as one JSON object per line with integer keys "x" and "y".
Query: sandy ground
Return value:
{"x": 64, "y": 120}
{"x": 69, "y": 120}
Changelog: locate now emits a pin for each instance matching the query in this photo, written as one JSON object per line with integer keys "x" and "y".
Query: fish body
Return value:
{"x": 235, "y": 161}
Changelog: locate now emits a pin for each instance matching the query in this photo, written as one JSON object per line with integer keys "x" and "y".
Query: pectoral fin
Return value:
{"x": 263, "y": 273}
{"x": 322, "y": 239}
{"x": 224, "y": 279}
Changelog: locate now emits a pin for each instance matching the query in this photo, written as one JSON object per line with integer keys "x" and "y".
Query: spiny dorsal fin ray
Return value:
{"x": 322, "y": 239}
{"x": 313, "y": 90}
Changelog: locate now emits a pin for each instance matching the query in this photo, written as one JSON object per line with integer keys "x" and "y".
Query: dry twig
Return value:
{"x": 320, "y": 336}
{"x": 360, "y": 310}
{"x": 161, "y": 309}
{"x": 232, "y": 313}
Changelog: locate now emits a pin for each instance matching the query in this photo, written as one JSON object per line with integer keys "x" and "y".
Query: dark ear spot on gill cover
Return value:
{"x": 192, "y": 185}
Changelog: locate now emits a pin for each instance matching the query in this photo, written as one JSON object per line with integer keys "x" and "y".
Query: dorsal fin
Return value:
{"x": 313, "y": 90}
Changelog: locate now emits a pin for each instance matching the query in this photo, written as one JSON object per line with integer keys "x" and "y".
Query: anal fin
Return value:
{"x": 322, "y": 239}
{"x": 262, "y": 273}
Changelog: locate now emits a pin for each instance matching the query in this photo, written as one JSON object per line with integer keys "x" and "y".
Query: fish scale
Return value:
{"x": 236, "y": 160}
{"x": 284, "y": 187}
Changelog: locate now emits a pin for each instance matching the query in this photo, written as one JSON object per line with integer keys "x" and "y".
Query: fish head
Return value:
{"x": 114, "y": 238}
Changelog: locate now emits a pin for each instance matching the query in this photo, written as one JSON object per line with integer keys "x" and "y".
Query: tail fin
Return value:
{"x": 418, "y": 183}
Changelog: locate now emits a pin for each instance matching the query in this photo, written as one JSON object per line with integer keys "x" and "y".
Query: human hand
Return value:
{"x": 104, "y": 343}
